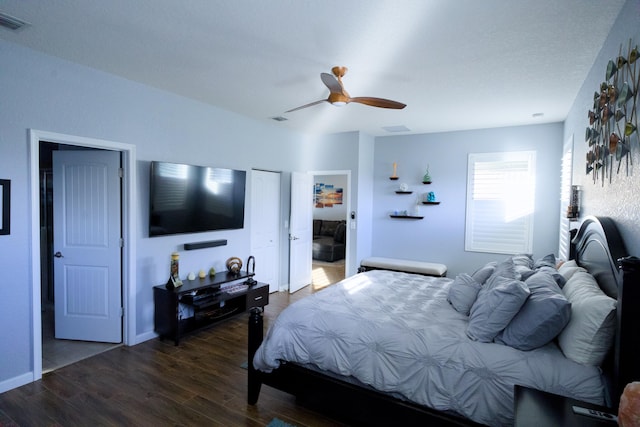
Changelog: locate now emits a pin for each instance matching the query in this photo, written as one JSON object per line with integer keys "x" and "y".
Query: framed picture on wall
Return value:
{"x": 326, "y": 195}
{"x": 5, "y": 206}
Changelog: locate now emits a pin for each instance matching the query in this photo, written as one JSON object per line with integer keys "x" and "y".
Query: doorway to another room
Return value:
{"x": 330, "y": 222}
{"x": 56, "y": 352}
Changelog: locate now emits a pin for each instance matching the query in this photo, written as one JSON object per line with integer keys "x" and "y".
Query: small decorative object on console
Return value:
{"x": 174, "y": 274}
{"x": 202, "y": 274}
{"x": 212, "y": 272}
{"x": 191, "y": 275}
{"x": 234, "y": 265}
{"x": 251, "y": 261}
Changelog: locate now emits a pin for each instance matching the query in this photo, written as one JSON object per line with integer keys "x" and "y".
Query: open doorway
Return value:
{"x": 330, "y": 222}
{"x": 57, "y": 352}
{"x": 128, "y": 214}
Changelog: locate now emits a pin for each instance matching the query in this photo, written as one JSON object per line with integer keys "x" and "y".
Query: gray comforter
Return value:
{"x": 397, "y": 333}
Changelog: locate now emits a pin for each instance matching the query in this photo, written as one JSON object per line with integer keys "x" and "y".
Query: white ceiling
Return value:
{"x": 457, "y": 64}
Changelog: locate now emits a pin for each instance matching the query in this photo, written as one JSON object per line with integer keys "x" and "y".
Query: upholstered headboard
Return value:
{"x": 598, "y": 247}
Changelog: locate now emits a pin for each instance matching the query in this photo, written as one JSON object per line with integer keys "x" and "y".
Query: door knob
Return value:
{"x": 58, "y": 254}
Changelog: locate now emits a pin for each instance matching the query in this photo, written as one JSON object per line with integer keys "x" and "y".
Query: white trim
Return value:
{"x": 16, "y": 382}
{"x": 129, "y": 227}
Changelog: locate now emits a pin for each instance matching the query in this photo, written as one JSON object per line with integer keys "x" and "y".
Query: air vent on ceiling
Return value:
{"x": 394, "y": 129}
{"x": 11, "y": 22}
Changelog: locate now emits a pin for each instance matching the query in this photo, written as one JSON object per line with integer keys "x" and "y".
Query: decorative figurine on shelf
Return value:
{"x": 431, "y": 196}
{"x": 251, "y": 261}
{"x": 234, "y": 265}
{"x": 404, "y": 187}
{"x": 426, "y": 179}
{"x": 395, "y": 171}
{"x": 174, "y": 274}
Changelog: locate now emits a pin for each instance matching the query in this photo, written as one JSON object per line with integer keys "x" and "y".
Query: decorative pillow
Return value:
{"x": 495, "y": 307}
{"x": 522, "y": 264}
{"x": 591, "y": 330}
{"x": 569, "y": 268}
{"x": 504, "y": 269}
{"x": 463, "y": 293}
{"x": 557, "y": 277}
{"x": 542, "y": 317}
{"x": 483, "y": 273}
{"x": 547, "y": 261}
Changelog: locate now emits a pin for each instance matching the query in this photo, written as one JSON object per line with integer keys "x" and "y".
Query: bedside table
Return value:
{"x": 535, "y": 408}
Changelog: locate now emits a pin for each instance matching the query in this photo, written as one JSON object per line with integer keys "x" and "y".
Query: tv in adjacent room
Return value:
{"x": 190, "y": 199}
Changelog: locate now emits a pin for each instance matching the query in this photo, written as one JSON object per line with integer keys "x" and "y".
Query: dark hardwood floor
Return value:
{"x": 198, "y": 383}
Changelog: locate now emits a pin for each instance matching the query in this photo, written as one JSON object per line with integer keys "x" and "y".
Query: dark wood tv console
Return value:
{"x": 202, "y": 302}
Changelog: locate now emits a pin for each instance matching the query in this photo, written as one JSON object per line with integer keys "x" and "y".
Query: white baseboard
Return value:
{"x": 144, "y": 337}
{"x": 16, "y": 382}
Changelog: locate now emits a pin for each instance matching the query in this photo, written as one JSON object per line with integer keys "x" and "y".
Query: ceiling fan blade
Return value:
{"x": 306, "y": 105}
{"x": 378, "y": 102}
{"x": 332, "y": 83}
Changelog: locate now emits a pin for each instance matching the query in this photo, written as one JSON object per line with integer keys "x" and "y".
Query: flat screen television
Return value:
{"x": 192, "y": 199}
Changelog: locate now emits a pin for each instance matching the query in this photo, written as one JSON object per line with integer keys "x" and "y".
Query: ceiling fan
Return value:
{"x": 338, "y": 95}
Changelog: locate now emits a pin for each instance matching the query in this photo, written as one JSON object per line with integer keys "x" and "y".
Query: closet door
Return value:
{"x": 265, "y": 226}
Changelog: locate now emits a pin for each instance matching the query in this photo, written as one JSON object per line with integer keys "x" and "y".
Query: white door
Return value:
{"x": 87, "y": 260}
{"x": 300, "y": 231}
{"x": 265, "y": 226}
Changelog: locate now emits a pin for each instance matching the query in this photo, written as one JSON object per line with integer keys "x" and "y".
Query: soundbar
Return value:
{"x": 202, "y": 245}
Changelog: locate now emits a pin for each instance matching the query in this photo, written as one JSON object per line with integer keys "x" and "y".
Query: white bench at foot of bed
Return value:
{"x": 405, "y": 265}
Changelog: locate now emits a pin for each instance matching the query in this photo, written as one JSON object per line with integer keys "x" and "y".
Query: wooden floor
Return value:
{"x": 198, "y": 383}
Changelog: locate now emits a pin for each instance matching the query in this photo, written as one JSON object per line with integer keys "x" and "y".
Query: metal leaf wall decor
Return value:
{"x": 613, "y": 119}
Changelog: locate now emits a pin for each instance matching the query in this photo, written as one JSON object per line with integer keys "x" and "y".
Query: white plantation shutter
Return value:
{"x": 500, "y": 202}
{"x": 565, "y": 197}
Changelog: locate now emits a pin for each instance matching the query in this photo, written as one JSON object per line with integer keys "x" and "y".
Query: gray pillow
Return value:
{"x": 483, "y": 273}
{"x": 495, "y": 307}
{"x": 463, "y": 293}
{"x": 542, "y": 317}
{"x": 557, "y": 277}
{"x": 592, "y": 327}
{"x": 522, "y": 264}
{"x": 504, "y": 269}
{"x": 547, "y": 261}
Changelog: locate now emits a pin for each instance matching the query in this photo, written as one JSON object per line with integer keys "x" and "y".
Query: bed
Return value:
{"x": 424, "y": 367}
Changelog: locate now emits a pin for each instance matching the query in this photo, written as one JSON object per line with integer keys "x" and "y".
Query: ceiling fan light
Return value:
{"x": 338, "y": 103}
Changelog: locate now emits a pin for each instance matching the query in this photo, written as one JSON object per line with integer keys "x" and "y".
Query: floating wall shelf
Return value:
{"x": 406, "y": 216}
{"x": 430, "y": 203}
{"x": 404, "y": 192}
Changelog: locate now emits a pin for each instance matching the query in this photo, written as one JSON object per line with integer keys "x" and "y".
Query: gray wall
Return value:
{"x": 48, "y": 94}
{"x": 618, "y": 199}
{"x": 439, "y": 237}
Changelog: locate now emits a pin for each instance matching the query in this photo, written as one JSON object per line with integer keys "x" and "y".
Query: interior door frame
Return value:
{"x": 347, "y": 249}
{"x": 129, "y": 232}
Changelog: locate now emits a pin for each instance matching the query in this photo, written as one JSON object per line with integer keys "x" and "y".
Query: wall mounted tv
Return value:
{"x": 192, "y": 199}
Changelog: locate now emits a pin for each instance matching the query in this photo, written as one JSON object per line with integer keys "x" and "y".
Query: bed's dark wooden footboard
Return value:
{"x": 255, "y": 339}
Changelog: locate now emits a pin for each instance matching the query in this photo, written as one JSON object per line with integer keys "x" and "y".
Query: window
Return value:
{"x": 565, "y": 196}
{"x": 500, "y": 202}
